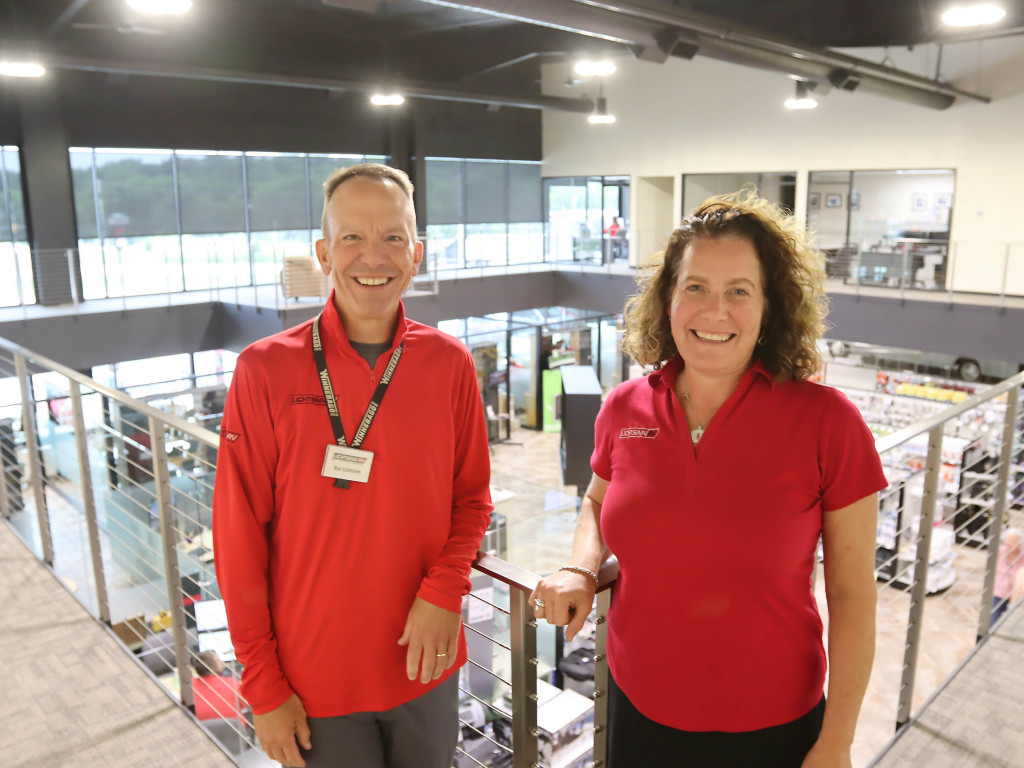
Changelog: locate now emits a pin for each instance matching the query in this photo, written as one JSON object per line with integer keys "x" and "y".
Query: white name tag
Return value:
{"x": 347, "y": 464}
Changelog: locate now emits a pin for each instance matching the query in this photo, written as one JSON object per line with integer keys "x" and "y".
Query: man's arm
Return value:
{"x": 435, "y": 617}
{"x": 243, "y": 505}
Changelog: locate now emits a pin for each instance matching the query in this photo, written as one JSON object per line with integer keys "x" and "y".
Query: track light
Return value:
{"x": 22, "y": 69}
{"x": 973, "y": 15}
{"x": 588, "y": 68}
{"x": 161, "y": 7}
{"x": 803, "y": 99}
{"x": 600, "y": 114}
{"x": 387, "y": 99}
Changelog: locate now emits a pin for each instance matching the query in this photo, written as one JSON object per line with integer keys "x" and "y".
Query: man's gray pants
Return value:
{"x": 421, "y": 733}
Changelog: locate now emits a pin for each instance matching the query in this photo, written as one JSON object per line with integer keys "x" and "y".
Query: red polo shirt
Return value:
{"x": 318, "y": 581}
{"x": 713, "y": 624}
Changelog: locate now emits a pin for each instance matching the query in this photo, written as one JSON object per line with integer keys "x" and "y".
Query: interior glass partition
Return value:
{"x": 550, "y": 337}
{"x": 778, "y": 187}
{"x": 587, "y": 218}
{"x": 885, "y": 228}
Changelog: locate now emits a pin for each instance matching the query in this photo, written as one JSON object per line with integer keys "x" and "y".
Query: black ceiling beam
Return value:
{"x": 73, "y": 9}
{"x": 409, "y": 89}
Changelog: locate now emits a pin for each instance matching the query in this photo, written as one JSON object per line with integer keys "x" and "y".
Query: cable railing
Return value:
{"x": 276, "y": 276}
{"x": 114, "y": 495}
{"x": 939, "y": 269}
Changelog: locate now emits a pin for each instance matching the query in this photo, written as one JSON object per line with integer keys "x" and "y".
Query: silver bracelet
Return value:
{"x": 582, "y": 571}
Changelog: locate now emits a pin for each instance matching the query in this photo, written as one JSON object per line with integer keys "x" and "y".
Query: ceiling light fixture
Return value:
{"x": 22, "y": 69}
{"x": 588, "y": 68}
{"x": 161, "y": 7}
{"x": 973, "y": 15}
{"x": 387, "y": 99}
{"x": 803, "y": 99}
{"x": 600, "y": 114}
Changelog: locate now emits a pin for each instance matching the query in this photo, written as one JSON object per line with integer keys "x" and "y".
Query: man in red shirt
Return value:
{"x": 216, "y": 697}
{"x": 343, "y": 573}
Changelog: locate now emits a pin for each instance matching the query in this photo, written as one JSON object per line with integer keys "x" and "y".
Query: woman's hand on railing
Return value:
{"x": 564, "y": 599}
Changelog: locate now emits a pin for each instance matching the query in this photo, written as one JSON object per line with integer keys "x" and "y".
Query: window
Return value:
{"x": 212, "y": 217}
{"x": 483, "y": 213}
{"x": 15, "y": 259}
{"x": 887, "y": 228}
{"x": 278, "y": 212}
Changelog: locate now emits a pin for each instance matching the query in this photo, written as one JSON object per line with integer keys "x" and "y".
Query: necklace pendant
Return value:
{"x": 696, "y": 434}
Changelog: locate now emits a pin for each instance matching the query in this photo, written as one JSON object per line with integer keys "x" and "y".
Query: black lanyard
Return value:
{"x": 332, "y": 406}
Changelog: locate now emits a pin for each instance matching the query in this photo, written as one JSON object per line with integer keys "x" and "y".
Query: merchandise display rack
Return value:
{"x": 969, "y": 448}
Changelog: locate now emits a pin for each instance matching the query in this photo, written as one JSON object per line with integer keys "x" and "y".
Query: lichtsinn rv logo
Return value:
{"x": 647, "y": 432}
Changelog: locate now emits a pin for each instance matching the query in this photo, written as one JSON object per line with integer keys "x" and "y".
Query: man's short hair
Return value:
{"x": 369, "y": 170}
{"x": 206, "y": 663}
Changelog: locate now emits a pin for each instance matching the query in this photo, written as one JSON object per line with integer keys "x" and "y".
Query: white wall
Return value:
{"x": 653, "y": 216}
{"x": 706, "y": 116}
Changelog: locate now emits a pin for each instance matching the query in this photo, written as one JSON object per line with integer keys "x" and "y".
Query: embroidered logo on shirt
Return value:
{"x": 647, "y": 432}
{"x": 308, "y": 400}
{"x": 231, "y": 436}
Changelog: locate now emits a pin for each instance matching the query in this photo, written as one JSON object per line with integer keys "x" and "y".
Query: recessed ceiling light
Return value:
{"x": 588, "y": 68}
{"x": 600, "y": 114}
{"x": 803, "y": 99}
{"x": 22, "y": 69}
{"x": 387, "y": 99}
{"x": 973, "y": 15}
{"x": 161, "y": 7}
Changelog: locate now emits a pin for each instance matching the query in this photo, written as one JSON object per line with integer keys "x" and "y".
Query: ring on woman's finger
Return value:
{"x": 538, "y": 603}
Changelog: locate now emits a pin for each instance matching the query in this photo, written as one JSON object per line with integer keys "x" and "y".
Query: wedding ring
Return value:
{"x": 538, "y": 602}
{"x": 440, "y": 655}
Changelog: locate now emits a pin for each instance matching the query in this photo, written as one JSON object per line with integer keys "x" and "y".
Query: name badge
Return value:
{"x": 350, "y": 464}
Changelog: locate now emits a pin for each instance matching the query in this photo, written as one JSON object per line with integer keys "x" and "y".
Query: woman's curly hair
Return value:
{"x": 792, "y": 273}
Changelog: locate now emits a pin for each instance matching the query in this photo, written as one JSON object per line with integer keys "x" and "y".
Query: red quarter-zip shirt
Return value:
{"x": 318, "y": 580}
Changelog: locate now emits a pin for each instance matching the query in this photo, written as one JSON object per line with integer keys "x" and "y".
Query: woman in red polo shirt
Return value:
{"x": 714, "y": 477}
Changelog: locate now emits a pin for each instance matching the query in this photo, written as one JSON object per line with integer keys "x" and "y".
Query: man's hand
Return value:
{"x": 432, "y": 635}
{"x": 279, "y": 729}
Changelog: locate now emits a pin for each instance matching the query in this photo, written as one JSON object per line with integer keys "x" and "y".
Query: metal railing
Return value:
{"x": 114, "y": 495}
{"x": 937, "y": 268}
{"x": 254, "y": 277}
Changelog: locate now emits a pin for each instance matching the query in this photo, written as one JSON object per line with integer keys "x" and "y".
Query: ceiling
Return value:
{"x": 464, "y": 51}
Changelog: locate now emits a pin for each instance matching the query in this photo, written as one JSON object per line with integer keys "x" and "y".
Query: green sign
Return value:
{"x": 551, "y": 387}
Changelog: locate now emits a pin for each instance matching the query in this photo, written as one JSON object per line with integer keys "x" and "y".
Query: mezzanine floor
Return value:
{"x": 73, "y": 698}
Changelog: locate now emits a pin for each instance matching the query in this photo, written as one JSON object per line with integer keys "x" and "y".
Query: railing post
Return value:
{"x": 89, "y": 500}
{"x": 75, "y": 298}
{"x": 951, "y": 270}
{"x": 998, "y": 510}
{"x": 904, "y": 276}
{"x": 5, "y": 501}
{"x": 1002, "y": 287}
{"x": 604, "y": 601}
{"x": 933, "y": 466}
{"x": 524, "y": 681}
{"x": 162, "y": 481}
{"x": 35, "y": 465}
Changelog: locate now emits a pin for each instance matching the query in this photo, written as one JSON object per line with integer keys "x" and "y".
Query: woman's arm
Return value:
{"x": 848, "y": 535}
{"x": 565, "y": 593}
